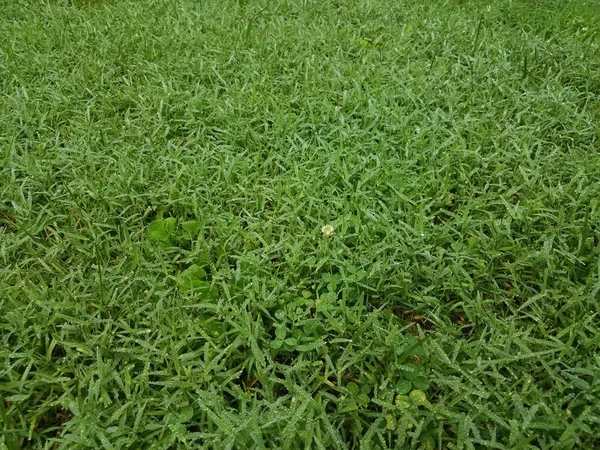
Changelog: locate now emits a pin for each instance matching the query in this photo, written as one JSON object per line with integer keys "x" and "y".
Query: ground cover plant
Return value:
{"x": 299, "y": 224}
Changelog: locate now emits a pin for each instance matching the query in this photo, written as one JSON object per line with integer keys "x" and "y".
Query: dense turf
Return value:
{"x": 166, "y": 168}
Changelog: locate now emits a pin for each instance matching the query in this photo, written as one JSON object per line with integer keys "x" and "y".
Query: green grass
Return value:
{"x": 166, "y": 168}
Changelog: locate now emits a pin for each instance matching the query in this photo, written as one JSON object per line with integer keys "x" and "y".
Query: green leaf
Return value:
{"x": 191, "y": 274}
{"x": 161, "y": 229}
{"x": 280, "y": 333}
{"x": 213, "y": 327}
{"x": 421, "y": 382}
{"x": 171, "y": 419}
{"x": 351, "y": 268}
{"x": 191, "y": 228}
{"x": 194, "y": 272}
{"x": 292, "y": 342}
{"x": 365, "y": 389}
{"x": 410, "y": 371}
{"x": 413, "y": 345}
{"x": 203, "y": 259}
{"x": 276, "y": 344}
{"x": 17, "y": 398}
{"x": 311, "y": 345}
{"x": 418, "y": 397}
{"x": 330, "y": 297}
{"x": 427, "y": 442}
{"x": 403, "y": 387}
{"x": 192, "y": 280}
{"x": 347, "y": 405}
{"x": 186, "y": 284}
{"x": 363, "y": 399}
{"x": 390, "y": 422}
{"x": 219, "y": 251}
{"x": 353, "y": 389}
{"x": 411, "y": 340}
{"x": 403, "y": 401}
{"x": 186, "y": 413}
{"x": 178, "y": 429}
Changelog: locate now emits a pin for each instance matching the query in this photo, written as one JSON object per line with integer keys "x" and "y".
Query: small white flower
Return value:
{"x": 327, "y": 230}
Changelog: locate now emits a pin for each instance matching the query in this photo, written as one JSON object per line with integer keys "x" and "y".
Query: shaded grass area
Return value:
{"x": 165, "y": 172}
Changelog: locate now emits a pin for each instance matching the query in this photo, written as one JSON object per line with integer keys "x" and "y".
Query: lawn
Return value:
{"x": 299, "y": 224}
